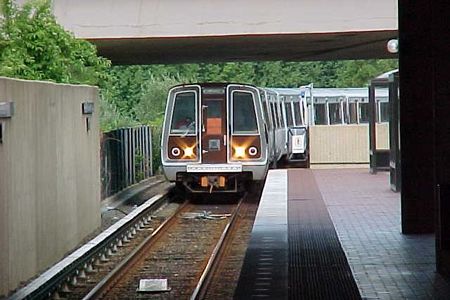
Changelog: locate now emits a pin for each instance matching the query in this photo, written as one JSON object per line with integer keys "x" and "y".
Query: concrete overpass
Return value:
{"x": 178, "y": 31}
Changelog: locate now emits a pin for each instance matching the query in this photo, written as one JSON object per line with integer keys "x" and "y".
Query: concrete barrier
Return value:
{"x": 344, "y": 144}
{"x": 49, "y": 176}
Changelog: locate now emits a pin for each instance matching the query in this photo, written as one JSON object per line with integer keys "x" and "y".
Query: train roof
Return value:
{"x": 362, "y": 92}
{"x": 336, "y": 93}
{"x": 211, "y": 84}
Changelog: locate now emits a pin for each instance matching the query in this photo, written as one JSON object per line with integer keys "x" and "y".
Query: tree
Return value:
{"x": 34, "y": 46}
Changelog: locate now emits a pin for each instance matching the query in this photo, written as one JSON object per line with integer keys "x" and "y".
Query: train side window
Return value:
{"x": 364, "y": 113}
{"x": 280, "y": 115}
{"x": 320, "y": 117}
{"x": 183, "y": 115}
{"x": 274, "y": 119}
{"x": 244, "y": 117}
{"x": 335, "y": 113}
{"x": 266, "y": 115}
{"x": 297, "y": 114}
{"x": 277, "y": 119}
{"x": 287, "y": 107}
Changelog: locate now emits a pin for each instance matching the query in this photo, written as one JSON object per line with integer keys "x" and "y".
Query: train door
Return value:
{"x": 213, "y": 128}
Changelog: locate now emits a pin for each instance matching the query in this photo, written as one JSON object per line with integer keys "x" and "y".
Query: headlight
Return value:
{"x": 189, "y": 152}
{"x": 239, "y": 152}
{"x": 175, "y": 151}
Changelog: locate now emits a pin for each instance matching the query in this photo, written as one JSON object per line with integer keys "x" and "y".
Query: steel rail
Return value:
{"x": 205, "y": 279}
{"x": 128, "y": 262}
{"x": 45, "y": 288}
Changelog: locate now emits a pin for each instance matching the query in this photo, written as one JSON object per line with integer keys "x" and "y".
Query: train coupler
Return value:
{"x": 212, "y": 182}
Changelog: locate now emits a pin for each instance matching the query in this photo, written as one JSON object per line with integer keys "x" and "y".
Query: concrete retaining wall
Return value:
{"x": 49, "y": 176}
{"x": 342, "y": 144}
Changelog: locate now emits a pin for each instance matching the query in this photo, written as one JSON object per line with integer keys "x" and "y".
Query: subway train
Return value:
{"x": 217, "y": 137}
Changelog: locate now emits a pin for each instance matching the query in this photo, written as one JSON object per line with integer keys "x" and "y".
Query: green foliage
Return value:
{"x": 151, "y": 107}
{"x": 34, "y": 46}
{"x": 358, "y": 73}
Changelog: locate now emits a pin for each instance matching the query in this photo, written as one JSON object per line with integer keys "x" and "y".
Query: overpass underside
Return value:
{"x": 180, "y": 31}
{"x": 253, "y": 47}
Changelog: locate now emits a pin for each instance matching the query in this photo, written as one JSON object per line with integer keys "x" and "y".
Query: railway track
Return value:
{"x": 185, "y": 244}
{"x": 82, "y": 268}
{"x": 220, "y": 277}
{"x": 182, "y": 252}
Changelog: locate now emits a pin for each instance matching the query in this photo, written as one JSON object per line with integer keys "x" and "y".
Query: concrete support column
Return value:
{"x": 416, "y": 117}
{"x": 440, "y": 47}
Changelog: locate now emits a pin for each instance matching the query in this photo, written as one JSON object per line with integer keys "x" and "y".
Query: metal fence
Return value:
{"x": 126, "y": 158}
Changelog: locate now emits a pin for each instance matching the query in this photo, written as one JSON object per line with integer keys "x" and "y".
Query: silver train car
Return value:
{"x": 218, "y": 136}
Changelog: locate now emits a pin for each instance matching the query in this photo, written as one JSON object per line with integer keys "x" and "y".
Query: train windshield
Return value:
{"x": 183, "y": 117}
{"x": 244, "y": 117}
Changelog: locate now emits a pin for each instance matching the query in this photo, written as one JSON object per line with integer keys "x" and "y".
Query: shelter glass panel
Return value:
{"x": 384, "y": 112}
{"x": 364, "y": 113}
{"x": 353, "y": 113}
{"x": 183, "y": 116}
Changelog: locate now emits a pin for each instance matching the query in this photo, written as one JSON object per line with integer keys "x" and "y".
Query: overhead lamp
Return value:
{"x": 392, "y": 46}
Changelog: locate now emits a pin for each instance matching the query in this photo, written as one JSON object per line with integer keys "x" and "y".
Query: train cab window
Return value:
{"x": 274, "y": 119}
{"x": 183, "y": 116}
{"x": 287, "y": 107}
{"x": 353, "y": 113}
{"x": 335, "y": 113}
{"x": 364, "y": 113}
{"x": 320, "y": 117}
{"x": 214, "y": 117}
{"x": 384, "y": 112}
{"x": 244, "y": 117}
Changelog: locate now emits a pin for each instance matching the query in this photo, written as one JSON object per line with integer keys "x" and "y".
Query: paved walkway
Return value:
{"x": 366, "y": 214}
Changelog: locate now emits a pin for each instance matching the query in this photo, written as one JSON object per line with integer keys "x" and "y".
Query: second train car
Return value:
{"x": 217, "y": 136}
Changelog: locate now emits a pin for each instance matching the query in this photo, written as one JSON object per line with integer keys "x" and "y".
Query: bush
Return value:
{"x": 34, "y": 46}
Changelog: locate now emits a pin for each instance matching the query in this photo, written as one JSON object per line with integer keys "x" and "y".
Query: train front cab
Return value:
{"x": 224, "y": 143}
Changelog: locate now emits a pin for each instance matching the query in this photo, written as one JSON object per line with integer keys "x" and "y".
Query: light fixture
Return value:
{"x": 6, "y": 109}
{"x": 87, "y": 108}
{"x": 392, "y": 46}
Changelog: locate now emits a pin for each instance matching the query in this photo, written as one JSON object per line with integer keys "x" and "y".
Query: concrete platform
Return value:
{"x": 385, "y": 264}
